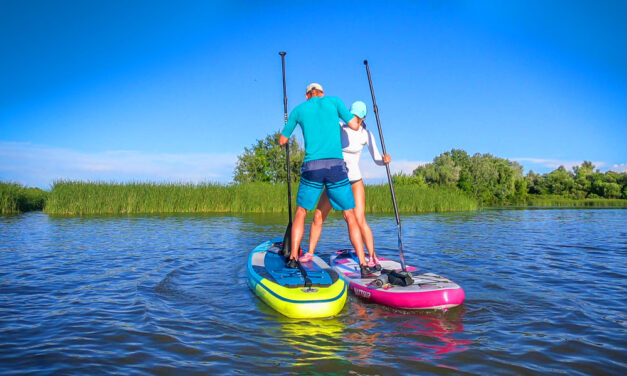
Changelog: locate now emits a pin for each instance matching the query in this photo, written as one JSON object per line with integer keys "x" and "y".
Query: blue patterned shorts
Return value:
{"x": 319, "y": 174}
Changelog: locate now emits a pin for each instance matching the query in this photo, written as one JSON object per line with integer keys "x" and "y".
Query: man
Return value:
{"x": 323, "y": 166}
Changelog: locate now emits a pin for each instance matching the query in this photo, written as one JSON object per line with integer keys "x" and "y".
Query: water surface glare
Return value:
{"x": 545, "y": 294}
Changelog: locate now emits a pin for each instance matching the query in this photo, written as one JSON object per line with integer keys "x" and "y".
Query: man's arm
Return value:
{"x": 345, "y": 115}
{"x": 354, "y": 123}
{"x": 289, "y": 128}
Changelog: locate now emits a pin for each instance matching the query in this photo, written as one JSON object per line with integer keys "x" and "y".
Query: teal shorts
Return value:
{"x": 319, "y": 174}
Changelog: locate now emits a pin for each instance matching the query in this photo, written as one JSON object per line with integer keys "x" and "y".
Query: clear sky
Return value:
{"x": 174, "y": 91}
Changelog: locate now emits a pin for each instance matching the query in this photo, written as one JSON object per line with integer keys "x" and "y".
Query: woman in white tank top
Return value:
{"x": 353, "y": 143}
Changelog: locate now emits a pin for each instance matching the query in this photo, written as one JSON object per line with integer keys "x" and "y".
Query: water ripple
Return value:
{"x": 167, "y": 295}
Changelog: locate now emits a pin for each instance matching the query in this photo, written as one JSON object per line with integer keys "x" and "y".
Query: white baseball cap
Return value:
{"x": 314, "y": 86}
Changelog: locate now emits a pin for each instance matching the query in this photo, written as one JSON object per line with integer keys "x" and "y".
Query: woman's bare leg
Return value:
{"x": 360, "y": 214}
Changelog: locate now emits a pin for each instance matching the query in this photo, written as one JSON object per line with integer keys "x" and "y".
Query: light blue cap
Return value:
{"x": 359, "y": 109}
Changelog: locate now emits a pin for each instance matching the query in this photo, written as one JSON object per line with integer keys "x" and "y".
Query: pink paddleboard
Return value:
{"x": 429, "y": 290}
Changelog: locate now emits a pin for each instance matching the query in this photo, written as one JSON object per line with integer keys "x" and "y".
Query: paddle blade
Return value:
{"x": 287, "y": 242}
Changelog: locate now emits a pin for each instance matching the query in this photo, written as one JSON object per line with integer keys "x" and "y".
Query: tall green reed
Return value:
{"x": 560, "y": 201}
{"x": 80, "y": 198}
{"x": 15, "y": 198}
{"x": 415, "y": 199}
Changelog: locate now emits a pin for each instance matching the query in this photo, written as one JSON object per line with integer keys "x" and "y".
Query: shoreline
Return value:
{"x": 87, "y": 198}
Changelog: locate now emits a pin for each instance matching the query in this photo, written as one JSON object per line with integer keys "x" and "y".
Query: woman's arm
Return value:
{"x": 374, "y": 152}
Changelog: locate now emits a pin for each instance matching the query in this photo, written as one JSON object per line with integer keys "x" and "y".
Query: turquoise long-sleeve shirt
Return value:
{"x": 319, "y": 117}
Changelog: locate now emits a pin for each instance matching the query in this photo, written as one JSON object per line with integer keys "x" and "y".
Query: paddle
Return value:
{"x": 387, "y": 168}
{"x": 287, "y": 238}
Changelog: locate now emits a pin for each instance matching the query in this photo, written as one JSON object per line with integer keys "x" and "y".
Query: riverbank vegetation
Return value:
{"x": 84, "y": 198}
{"x": 561, "y": 201}
{"x": 14, "y": 198}
{"x": 78, "y": 198}
{"x": 265, "y": 162}
{"x": 454, "y": 181}
{"x": 494, "y": 181}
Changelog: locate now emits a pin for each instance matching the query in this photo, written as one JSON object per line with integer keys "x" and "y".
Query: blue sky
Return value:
{"x": 174, "y": 91}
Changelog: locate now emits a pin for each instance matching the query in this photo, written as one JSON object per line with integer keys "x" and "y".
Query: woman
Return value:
{"x": 352, "y": 142}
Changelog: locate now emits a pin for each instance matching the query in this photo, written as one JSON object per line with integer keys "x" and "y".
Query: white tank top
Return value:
{"x": 352, "y": 144}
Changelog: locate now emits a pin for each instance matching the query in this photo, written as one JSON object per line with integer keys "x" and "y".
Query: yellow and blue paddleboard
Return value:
{"x": 322, "y": 293}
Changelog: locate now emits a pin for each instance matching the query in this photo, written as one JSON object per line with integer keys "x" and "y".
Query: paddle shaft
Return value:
{"x": 387, "y": 168}
{"x": 287, "y": 146}
{"x": 287, "y": 238}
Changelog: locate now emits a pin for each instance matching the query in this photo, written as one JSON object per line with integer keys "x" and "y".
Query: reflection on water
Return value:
{"x": 441, "y": 335}
{"x": 310, "y": 340}
{"x": 432, "y": 331}
{"x": 363, "y": 334}
{"x": 168, "y": 295}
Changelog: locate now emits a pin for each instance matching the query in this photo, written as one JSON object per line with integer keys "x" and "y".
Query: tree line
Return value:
{"x": 498, "y": 181}
{"x": 488, "y": 179}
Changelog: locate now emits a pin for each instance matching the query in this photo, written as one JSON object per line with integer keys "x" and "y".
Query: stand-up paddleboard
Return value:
{"x": 428, "y": 291}
{"x": 322, "y": 293}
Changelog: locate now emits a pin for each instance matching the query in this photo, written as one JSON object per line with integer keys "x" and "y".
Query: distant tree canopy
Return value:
{"x": 498, "y": 181}
{"x": 265, "y": 161}
{"x": 489, "y": 179}
{"x": 582, "y": 182}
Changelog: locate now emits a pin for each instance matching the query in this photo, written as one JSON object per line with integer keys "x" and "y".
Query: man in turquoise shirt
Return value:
{"x": 323, "y": 166}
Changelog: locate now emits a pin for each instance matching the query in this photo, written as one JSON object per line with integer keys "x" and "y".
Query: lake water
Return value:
{"x": 546, "y": 293}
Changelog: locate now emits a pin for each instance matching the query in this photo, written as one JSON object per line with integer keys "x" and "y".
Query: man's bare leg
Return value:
{"x": 322, "y": 210}
{"x": 298, "y": 229}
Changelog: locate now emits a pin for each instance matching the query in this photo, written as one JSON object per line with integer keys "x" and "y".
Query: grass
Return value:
{"x": 80, "y": 198}
{"x": 15, "y": 198}
{"x": 558, "y": 201}
{"x": 413, "y": 199}
{"x": 84, "y": 198}
{"x": 87, "y": 198}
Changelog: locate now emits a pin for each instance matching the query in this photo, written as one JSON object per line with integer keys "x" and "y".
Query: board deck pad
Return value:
{"x": 279, "y": 273}
{"x": 429, "y": 290}
{"x": 312, "y": 290}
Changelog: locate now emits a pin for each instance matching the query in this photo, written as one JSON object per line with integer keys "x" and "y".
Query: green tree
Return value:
{"x": 560, "y": 181}
{"x": 585, "y": 169}
{"x": 536, "y": 183}
{"x": 404, "y": 179}
{"x": 463, "y": 161}
{"x": 265, "y": 161}
{"x": 611, "y": 190}
{"x": 487, "y": 178}
{"x": 520, "y": 191}
{"x": 596, "y": 185}
{"x": 443, "y": 171}
{"x": 483, "y": 175}
{"x": 622, "y": 181}
{"x": 583, "y": 180}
